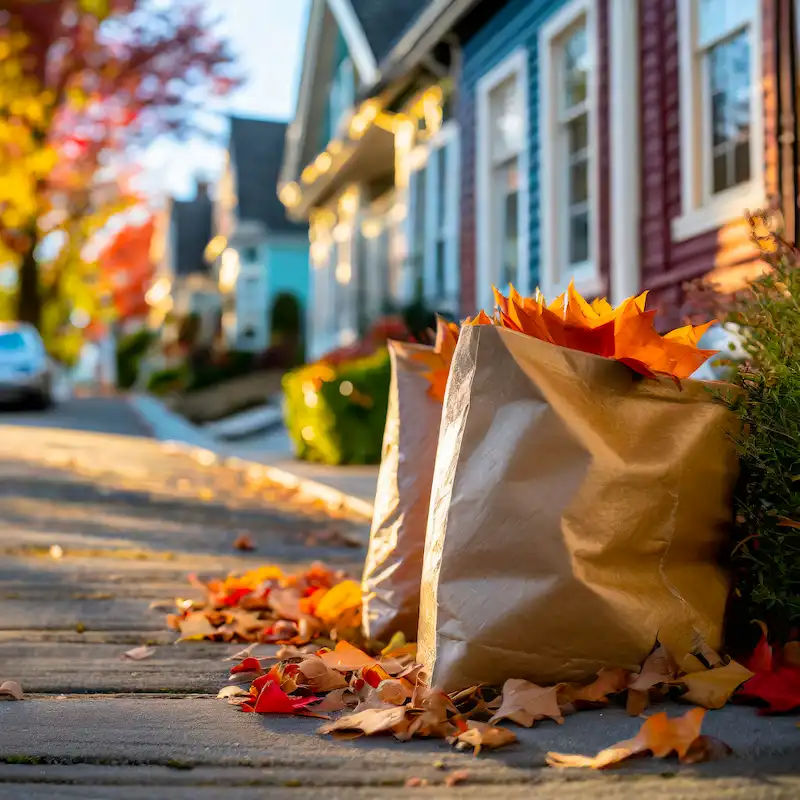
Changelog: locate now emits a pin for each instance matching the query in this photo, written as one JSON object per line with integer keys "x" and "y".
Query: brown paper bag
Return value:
{"x": 394, "y": 559}
{"x": 576, "y": 514}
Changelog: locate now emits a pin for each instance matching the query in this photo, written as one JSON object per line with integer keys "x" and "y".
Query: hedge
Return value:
{"x": 335, "y": 414}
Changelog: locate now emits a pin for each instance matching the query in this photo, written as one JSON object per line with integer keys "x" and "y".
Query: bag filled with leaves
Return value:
{"x": 581, "y": 492}
{"x": 394, "y": 557}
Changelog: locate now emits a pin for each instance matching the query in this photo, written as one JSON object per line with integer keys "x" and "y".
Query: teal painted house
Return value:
{"x": 260, "y": 254}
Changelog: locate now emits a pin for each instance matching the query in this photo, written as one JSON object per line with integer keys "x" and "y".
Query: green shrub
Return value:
{"x": 168, "y": 380}
{"x": 130, "y": 351}
{"x": 336, "y": 414}
{"x": 766, "y": 553}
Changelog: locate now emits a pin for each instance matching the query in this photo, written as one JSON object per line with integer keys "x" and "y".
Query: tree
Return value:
{"x": 81, "y": 81}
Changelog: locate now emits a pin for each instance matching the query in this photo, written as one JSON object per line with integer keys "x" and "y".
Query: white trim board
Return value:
{"x": 357, "y": 44}
{"x": 516, "y": 63}
{"x": 589, "y": 283}
{"x": 624, "y": 110}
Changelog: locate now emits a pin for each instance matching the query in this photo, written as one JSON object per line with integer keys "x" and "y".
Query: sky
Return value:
{"x": 268, "y": 37}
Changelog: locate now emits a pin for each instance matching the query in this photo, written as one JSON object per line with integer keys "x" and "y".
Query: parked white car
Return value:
{"x": 25, "y": 371}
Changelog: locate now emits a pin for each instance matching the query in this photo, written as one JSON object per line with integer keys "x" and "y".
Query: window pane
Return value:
{"x": 721, "y": 171}
{"x": 576, "y": 67}
{"x": 578, "y": 183}
{"x": 578, "y": 133}
{"x": 718, "y": 18}
{"x": 579, "y": 238}
{"x": 504, "y": 218}
{"x": 741, "y": 171}
{"x": 505, "y": 113}
{"x": 441, "y": 187}
{"x": 510, "y": 258}
{"x": 440, "y": 287}
{"x": 729, "y": 93}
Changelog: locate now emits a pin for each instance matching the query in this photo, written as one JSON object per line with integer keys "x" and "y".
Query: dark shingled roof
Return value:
{"x": 192, "y": 220}
{"x": 256, "y": 147}
{"x": 385, "y": 21}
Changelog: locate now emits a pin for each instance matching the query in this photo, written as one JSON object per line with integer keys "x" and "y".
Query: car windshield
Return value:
{"x": 11, "y": 342}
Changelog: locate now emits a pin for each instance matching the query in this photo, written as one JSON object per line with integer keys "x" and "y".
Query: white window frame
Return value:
{"x": 514, "y": 65}
{"x": 448, "y": 228}
{"x": 554, "y": 271}
{"x": 700, "y": 212}
{"x": 342, "y": 94}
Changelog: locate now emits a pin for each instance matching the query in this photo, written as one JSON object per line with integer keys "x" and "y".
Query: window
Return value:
{"x": 434, "y": 225}
{"x": 251, "y": 255}
{"x": 502, "y": 178}
{"x": 721, "y": 113}
{"x": 568, "y": 167}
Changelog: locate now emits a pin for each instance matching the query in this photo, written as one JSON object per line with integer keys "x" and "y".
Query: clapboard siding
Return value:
{"x": 517, "y": 25}
{"x": 666, "y": 264}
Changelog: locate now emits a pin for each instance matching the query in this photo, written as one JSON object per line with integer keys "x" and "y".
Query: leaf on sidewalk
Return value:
{"x": 659, "y": 735}
{"x": 244, "y": 542}
{"x": 343, "y": 600}
{"x": 232, "y": 691}
{"x": 337, "y": 700}
{"x": 658, "y": 667}
{"x": 139, "y": 653}
{"x": 272, "y": 699}
{"x": 712, "y": 688}
{"x": 250, "y": 664}
{"x": 195, "y": 626}
{"x": 314, "y": 673}
{"x": 11, "y": 690}
{"x": 369, "y": 721}
{"x": 347, "y": 658}
{"x": 242, "y": 654}
{"x": 482, "y": 734}
{"x": 525, "y": 703}
{"x": 608, "y": 682}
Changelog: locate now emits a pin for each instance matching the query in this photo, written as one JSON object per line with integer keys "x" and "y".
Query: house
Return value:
{"x": 373, "y": 170}
{"x": 259, "y": 254}
{"x": 615, "y": 143}
{"x": 183, "y": 283}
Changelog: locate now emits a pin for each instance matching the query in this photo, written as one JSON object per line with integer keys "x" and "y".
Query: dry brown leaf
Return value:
{"x": 636, "y": 702}
{"x": 608, "y": 682}
{"x": 242, "y": 654}
{"x": 195, "y": 626}
{"x": 481, "y": 734}
{"x": 454, "y": 778}
{"x": 347, "y": 658}
{"x": 658, "y": 667}
{"x": 712, "y": 688}
{"x": 319, "y": 677}
{"x": 337, "y": 700}
{"x": 232, "y": 691}
{"x": 416, "y": 783}
{"x": 706, "y": 748}
{"x": 525, "y": 703}
{"x": 393, "y": 691}
{"x": 11, "y": 690}
{"x": 659, "y": 734}
{"x": 140, "y": 653}
{"x": 244, "y": 542}
{"x": 368, "y": 721}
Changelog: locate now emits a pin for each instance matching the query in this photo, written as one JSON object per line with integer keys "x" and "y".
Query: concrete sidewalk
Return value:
{"x": 132, "y": 520}
{"x": 350, "y": 487}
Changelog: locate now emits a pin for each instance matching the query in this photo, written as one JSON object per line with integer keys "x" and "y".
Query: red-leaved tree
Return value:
{"x": 80, "y": 82}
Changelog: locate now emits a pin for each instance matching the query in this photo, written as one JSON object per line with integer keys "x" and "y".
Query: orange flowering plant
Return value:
{"x": 626, "y": 333}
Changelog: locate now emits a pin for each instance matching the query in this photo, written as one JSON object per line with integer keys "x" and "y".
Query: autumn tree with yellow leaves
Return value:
{"x": 80, "y": 82}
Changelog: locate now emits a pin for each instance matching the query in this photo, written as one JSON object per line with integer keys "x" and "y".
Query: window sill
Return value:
{"x": 727, "y": 208}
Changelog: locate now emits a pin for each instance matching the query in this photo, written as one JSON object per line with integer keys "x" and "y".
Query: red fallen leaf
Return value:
{"x": 779, "y": 689}
{"x": 250, "y": 664}
{"x": 777, "y": 679}
{"x": 273, "y": 700}
{"x": 244, "y": 542}
{"x": 233, "y": 597}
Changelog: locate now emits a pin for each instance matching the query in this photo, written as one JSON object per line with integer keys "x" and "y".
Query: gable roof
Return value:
{"x": 256, "y": 147}
{"x": 385, "y": 22}
{"x": 192, "y": 230}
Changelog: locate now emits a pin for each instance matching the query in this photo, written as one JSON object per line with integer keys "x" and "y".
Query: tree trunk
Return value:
{"x": 29, "y": 296}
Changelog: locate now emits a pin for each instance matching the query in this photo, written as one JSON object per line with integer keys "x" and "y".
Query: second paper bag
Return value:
{"x": 577, "y": 510}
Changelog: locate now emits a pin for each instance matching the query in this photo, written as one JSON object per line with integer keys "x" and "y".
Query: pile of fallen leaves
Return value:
{"x": 268, "y": 605}
{"x": 388, "y": 694}
{"x": 626, "y": 333}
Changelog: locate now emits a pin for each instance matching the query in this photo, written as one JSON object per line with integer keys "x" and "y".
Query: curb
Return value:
{"x": 169, "y": 427}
